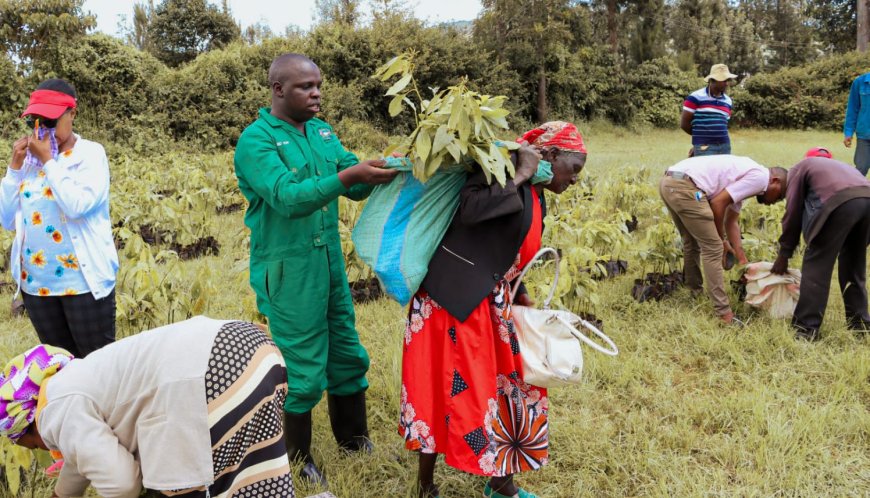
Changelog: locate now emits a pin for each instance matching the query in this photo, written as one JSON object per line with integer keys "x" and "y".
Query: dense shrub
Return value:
{"x": 348, "y": 57}
{"x": 657, "y": 89}
{"x": 211, "y": 100}
{"x": 591, "y": 84}
{"x": 130, "y": 99}
{"x": 115, "y": 85}
{"x": 809, "y": 96}
{"x": 13, "y": 97}
{"x": 579, "y": 90}
{"x": 654, "y": 91}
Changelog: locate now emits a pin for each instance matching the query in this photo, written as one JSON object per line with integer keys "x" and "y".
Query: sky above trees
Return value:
{"x": 300, "y": 13}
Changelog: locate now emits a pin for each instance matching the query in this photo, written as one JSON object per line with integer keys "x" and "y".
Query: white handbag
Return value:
{"x": 550, "y": 340}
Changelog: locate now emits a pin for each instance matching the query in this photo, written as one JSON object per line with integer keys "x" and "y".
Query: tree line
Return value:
{"x": 184, "y": 70}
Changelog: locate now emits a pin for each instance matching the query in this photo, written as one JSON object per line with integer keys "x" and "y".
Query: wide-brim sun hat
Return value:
{"x": 720, "y": 72}
{"x": 49, "y": 104}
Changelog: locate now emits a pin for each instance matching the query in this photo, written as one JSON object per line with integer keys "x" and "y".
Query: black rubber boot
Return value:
{"x": 858, "y": 325}
{"x": 347, "y": 415}
{"x": 805, "y": 333}
{"x": 297, "y": 436}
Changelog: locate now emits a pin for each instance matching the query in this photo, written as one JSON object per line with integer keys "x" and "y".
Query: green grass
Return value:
{"x": 688, "y": 408}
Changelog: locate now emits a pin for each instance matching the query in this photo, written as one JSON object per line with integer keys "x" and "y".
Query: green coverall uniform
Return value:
{"x": 297, "y": 267}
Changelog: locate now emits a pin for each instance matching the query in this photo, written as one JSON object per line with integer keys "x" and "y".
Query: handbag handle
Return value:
{"x": 537, "y": 256}
{"x": 613, "y": 351}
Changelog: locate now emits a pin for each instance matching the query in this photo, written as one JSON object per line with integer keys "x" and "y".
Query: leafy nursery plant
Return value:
{"x": 454, "y": 126}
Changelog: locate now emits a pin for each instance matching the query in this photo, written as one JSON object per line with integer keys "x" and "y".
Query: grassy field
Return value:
{"x": 689, "y": 407}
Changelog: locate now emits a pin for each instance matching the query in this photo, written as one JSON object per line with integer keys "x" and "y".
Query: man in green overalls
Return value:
{"x": 292, "y": 168}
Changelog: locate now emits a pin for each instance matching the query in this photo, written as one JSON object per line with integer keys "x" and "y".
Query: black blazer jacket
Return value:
{"x": 481, "y": 243}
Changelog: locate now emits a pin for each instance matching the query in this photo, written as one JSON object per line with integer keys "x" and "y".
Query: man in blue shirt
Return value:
{"x": 858, "y": 121}
{"x": 706, "y": 113}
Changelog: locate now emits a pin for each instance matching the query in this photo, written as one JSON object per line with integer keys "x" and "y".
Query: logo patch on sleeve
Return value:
{"x": 326, "y": 134}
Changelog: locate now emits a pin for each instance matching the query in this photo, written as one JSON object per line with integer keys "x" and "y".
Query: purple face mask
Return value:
{"x": 30, "y": 159}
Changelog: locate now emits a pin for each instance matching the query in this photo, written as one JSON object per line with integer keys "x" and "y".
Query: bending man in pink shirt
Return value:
{"x": 704, "y": 196}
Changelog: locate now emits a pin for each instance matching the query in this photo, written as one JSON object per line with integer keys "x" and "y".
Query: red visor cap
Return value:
{"x": 48, "y": 104}
{"x": 819, "y": 152}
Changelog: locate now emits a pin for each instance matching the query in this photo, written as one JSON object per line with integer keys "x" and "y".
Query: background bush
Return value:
{"x": 809, "y": 96}
{"x": 131, "y": 99}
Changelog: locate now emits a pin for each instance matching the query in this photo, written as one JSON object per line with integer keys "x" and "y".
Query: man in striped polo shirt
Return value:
{"x": 706, "y": 113}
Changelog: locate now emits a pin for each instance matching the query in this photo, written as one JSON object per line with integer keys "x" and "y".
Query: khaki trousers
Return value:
{"x": 702, "y": 247}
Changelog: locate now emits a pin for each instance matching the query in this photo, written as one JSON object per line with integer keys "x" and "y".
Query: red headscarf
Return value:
{"x": 559, "y": 134}
{"x": 48, "y": 104}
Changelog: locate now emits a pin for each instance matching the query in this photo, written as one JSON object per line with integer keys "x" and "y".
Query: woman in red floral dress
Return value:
{"x": 463, "y": 393}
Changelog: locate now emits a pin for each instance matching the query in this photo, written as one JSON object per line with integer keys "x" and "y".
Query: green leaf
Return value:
{"x": 506, "y": 159}
{"x": 17, "y": 458}
{"x": 488, "y": 175}
{"x": 432, "y": 166}
{"x": 496, "y": 101}
{"x": 498, "y": 169}
{"x": 423, "y": 144}
{"x": 455, "y": 112}
{"x": 463, "y": 146}
{"x": 408, "y": 101}
{"x": 398, "y": 64}
{"x": 13, "y": 478}
{"x": 464, "y": 127}
{"x": 500, "y": 122}
{"x": 487, "y": 130}
{"x": 482, "y": 158}
{"x": 477, "y": 118}
{"x": 453, "y": 149}
{"x": 396, "y": 106}
{"x": 442, "y": 137}
{"x": 382, "y": 69}
{"x": 494, "y": 113}
{"x": 399, "y": 85}
{"x": 43, "y": 458}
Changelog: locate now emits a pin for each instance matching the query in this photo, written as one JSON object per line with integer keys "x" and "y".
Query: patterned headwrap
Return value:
{"x": 19, "y": 386}
{"x": 559, "y": 134}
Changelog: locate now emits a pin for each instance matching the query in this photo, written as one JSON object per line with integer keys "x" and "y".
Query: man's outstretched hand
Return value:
{"x": 371, "y": 172}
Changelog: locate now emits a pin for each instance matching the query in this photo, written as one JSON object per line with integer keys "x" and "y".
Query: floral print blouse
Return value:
{"x": 49, "y": 266}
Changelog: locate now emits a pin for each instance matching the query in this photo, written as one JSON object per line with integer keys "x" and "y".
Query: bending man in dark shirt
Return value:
{"x": 829, "y": 202}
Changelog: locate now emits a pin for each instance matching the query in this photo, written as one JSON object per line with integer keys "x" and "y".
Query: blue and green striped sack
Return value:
{"x": 402, "y": 224}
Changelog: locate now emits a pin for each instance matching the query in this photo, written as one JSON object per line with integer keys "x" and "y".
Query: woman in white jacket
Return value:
{"x": 55, "y": 195}
{"x": 192, "y": 409}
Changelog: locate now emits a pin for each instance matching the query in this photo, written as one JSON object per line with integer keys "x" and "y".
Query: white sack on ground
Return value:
{"x": 776, "y": 294}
